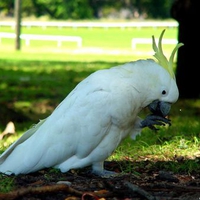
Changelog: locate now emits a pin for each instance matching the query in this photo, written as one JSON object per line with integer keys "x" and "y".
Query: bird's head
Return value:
{"x": 167, "y": 91}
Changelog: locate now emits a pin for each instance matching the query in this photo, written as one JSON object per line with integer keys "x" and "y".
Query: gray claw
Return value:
{"x": 105, "y": 173}
{"x": 152, "y": 120}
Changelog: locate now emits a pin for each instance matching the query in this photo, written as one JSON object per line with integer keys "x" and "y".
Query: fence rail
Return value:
{"x": 58, "y": 38}
{"x": 136, "y": 41}
{"x": 122, "y": 25}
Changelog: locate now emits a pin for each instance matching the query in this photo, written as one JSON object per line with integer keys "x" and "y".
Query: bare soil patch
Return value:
{"x": 156, "y": 184}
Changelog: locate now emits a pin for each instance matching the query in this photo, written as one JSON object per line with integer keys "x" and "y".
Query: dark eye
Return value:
{"x": 164, "y": 92}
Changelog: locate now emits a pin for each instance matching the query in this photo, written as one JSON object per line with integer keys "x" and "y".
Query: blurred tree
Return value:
{"x": 87, "y": 9}
{"x": 96, "y": 6}
{"x": 158, "y": 9}
{"x": 7, "y": 7}
{"x": 186, "y": 12}
{"x": 79, "y": 9}
{"x": 27, "y": 8}
{"x": 63, "y": 9}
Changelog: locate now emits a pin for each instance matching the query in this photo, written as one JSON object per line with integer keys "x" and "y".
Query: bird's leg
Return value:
{"x": 152, "y": 120}
{"x": 98, "y": 169}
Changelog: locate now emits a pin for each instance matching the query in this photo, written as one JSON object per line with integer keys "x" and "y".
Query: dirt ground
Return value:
{"x": 147, "y": 184}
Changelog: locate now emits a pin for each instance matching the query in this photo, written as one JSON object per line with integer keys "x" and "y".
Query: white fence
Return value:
{"x": 77, "y": 39}
{"x": 122, "y": 25}
{"x": 58, "y": 38}
{"x": 136, "y": 41}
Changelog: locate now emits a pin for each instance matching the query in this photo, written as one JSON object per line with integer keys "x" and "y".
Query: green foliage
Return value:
{"x": 87, "y": 9}
{"x": 158, "y": 9}
{"x": 67, "y": 9}
{"x": 6, "y": 7}
{"x": 79, "y": 9}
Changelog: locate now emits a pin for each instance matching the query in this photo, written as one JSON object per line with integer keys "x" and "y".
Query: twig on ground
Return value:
{"x": 51, "y": 189}
{"x": 139, "y": 190}
{"x": 39, "y": 190}
{"x": 170, "y": 187}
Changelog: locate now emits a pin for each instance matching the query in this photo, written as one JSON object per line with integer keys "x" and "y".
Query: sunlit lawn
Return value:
{"x": 113, "y": 44}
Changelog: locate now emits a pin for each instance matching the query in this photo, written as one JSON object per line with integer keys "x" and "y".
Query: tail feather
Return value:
{"x": 24, "y": 137}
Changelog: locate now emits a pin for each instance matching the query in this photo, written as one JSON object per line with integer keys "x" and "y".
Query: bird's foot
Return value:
{"x": 152, "y": 120}
{"x": 105, "y": 173}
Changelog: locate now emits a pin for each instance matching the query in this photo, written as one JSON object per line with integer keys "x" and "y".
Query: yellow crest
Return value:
{"x": 162, "y": 60}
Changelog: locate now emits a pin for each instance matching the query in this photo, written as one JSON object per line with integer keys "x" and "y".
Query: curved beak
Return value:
{"x": 160, "y": 108}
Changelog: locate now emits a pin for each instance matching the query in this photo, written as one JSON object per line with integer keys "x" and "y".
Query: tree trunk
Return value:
{"x": 187, "y": 13}
{"x": 18, "y": 23}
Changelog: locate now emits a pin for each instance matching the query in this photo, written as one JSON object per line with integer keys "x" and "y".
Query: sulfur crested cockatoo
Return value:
{"x": 102, "y": 110}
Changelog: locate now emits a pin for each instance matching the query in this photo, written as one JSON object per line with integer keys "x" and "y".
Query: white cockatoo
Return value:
{"x": 102, "y": 110}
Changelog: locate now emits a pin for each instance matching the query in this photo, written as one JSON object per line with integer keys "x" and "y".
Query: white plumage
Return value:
{"x": 92, "y": 120}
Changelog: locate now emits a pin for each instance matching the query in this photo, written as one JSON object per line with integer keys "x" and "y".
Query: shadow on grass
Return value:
{"x": 32, "y": 89}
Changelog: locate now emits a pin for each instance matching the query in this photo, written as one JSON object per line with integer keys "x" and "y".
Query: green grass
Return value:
{"x": 7, "y": 183}
{"x": 113, "y": 44}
